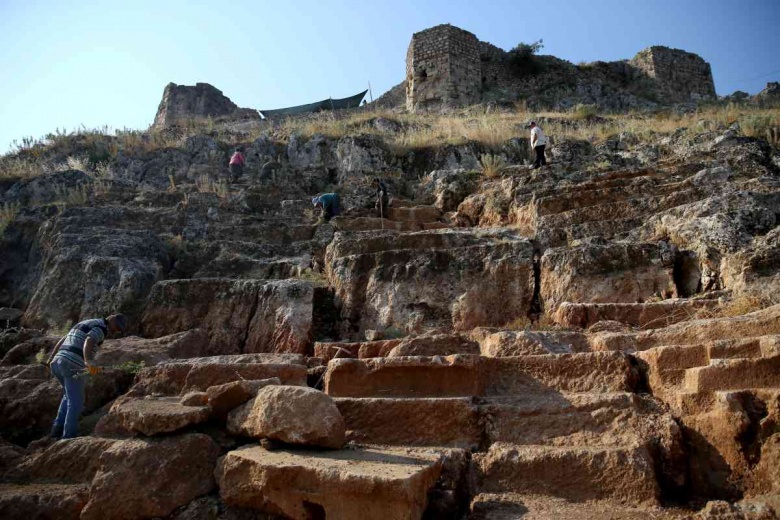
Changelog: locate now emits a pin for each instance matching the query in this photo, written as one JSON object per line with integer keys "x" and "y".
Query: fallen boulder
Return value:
{"x": 290, "y": 414}
{"x": 223, "y": 398}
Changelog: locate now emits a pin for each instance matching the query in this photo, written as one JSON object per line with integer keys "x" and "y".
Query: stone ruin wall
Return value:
{"x": 495, "y": 72}
{"x": 442, "y": 69}
{"x": 448, "y": 67}
{"x": 680, "y": 75}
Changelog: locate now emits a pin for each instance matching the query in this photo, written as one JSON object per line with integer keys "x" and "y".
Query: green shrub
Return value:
{"x": 131, "y": 367}
{"x": 522, "y": 58}
{"x": 584, "y": 111}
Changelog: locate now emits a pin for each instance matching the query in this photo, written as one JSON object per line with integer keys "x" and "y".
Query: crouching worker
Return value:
{"x": 72, "y": 358}
{"x": 329, "y": 203}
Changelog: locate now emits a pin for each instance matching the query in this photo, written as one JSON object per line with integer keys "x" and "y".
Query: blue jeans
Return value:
{"x": 73, "y": 380}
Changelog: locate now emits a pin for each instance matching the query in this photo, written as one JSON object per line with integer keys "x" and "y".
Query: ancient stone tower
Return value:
{"x": 442, "y": 69}
{"x": 679, "y": 75}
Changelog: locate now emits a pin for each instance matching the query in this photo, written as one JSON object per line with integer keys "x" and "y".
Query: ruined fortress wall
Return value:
{"x": 495, "y": 70}
{"x": 681, "y": 76}
{"x": 449, "y": 67}
{"x": 442, "y": 69}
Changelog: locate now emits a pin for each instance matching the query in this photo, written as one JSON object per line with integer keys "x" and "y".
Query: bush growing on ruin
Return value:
{"x": 522, "y": 58}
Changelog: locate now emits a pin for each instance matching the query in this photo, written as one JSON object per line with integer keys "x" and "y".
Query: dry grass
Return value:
{"x": 493, "y": 129}
{"x": 7, "y": 214}
{"x": 72, "y": 196}
{"x": 92, "y": 150}
{"x": 544, "y": 323}
{"x": 742, "y": 304}
{"x": 205, "y": 184}
{"x": 316, "y": 279}
{"x": 492, "y": 165}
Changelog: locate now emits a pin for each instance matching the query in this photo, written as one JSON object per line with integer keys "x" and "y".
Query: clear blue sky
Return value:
{"x": 66, "y": 63}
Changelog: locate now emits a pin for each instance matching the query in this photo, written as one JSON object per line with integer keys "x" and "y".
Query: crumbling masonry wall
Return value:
{"x": 447, "y": 67}
{"x": 680, "y": 76}
{"x": 442, "y": 69}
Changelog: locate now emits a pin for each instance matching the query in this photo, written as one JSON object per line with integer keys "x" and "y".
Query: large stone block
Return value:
{"x": 412, "y": 421}
{"x": 52, "y": 501}
{"x": 579, "y": 474}
{"x": 155, "y": 415}
{"x": 350, "y": 484}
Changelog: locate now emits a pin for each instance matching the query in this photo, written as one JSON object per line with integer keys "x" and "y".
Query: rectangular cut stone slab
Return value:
{"x": 417, "y": 214}
{"x": 624, "y": 474}
{"x": 450, "y": 421}
{"x": 350, "y": 484}
{"x": 734, "y": 374}
{"x": 651, "y": 315}
{"x": 565, "y": 419}
{"x": 759, "y": 323}
{"x": 451, "y": 376}
{"x": 238, "y": 315}
{"x": 505, "y": 506}
{"x": 152, "y": 416}
{"x": 620, "y": 272}
{"x": 468, "y": 375}
{"x": 583, "y": 372}
{"x": 473, "y": 277}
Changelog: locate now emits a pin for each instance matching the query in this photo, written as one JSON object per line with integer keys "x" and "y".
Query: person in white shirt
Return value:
{"x": 538, "y": 142}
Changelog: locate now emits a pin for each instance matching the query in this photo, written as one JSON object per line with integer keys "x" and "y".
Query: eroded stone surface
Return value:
{"x": 294, "y": 415}
{"x": 348, "y": 484}
{"x": 156, "y": 415}
{"x": 148, "y": 478}
{"x": 225, "y": 397}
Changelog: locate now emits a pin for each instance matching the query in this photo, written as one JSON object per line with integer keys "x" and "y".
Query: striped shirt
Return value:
{"x": 72, "y": 348}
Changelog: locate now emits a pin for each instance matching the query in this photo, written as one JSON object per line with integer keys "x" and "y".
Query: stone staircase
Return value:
{"x": 401, "y": 216}
{"x": 567, "y": 426}
{"x": 462, "y": 418}
{"x": 606, "y": 205}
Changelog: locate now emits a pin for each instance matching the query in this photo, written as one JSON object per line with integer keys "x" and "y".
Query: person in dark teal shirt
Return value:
{"x": 329, "y": 203}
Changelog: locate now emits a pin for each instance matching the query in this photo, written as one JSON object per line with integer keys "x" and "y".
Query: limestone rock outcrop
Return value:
{"x": 377, "y": 278}
{"x": 182, "y": 102}
{"x": 238, "y": 315}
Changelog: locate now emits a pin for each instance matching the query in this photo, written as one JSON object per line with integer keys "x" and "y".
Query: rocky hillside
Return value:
{"x": 599, "y": 338}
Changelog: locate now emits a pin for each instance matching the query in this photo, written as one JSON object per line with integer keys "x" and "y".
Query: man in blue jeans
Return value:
{"x": 71, "y": 359}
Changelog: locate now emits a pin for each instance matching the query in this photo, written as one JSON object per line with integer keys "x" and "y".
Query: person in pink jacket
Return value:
{"x": 236, "y": 166}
